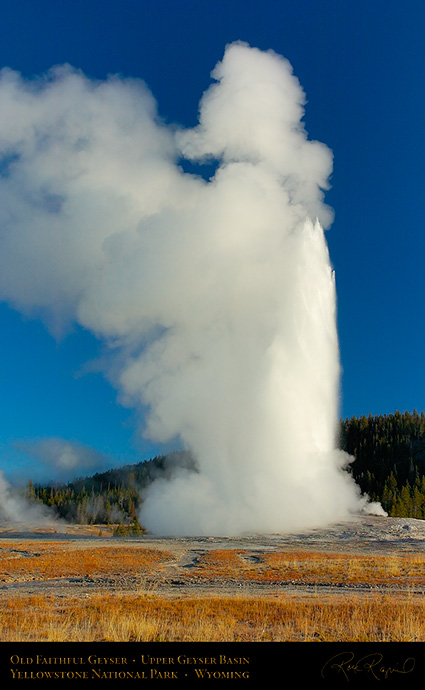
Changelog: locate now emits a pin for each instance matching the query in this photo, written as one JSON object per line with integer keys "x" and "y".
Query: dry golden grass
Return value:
{"x": 141, "y": 615}
{"x": 22, "y": 561}
{"x": 311, "y": 567}
{"x": 150, "y": 618}
{"x": 345, "y": 568}
{"x": 29, "y": 561}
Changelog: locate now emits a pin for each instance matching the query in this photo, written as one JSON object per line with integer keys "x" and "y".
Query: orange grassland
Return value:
{"x": 142, "y": 612}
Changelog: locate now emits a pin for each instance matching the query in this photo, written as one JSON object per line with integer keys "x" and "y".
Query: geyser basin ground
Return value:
{"x": 197, "y": 566}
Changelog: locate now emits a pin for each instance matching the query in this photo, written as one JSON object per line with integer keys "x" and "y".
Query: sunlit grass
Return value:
{"x": 29, "y": 561}
{"x": 138, "y": 611}
{"x": 24, "y": 561}
{"x": 308, "y": 567}
{"x": 151, "y": 619}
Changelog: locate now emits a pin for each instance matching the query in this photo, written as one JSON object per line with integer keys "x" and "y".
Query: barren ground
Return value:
{"x": 194, "y": 565}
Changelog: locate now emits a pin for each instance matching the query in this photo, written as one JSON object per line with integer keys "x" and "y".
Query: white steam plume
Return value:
{"x": 16, "y": 507}
{"x": 217, "y": 298}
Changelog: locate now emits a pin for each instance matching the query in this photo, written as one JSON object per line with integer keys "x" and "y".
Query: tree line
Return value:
{"x": 109, "y": 498}
{"x": 388, "y": 465}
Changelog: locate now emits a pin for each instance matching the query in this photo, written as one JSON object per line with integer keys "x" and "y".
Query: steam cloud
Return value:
{"x": 15, "y": 507}
{"x": 63, "y": 460}
{"x": 215, "y": 298}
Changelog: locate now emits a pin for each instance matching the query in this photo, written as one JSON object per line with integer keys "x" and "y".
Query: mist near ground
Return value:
{"x": 214, "y": 298}
{"x": 16, "y": 507}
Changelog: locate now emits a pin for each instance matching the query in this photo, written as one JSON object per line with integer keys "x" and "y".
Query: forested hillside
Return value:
{"x": 111, "y": 497}
{"x": 389, "y": 466}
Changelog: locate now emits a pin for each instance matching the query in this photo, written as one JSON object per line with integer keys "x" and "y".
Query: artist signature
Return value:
{"x": 345, "y": 663}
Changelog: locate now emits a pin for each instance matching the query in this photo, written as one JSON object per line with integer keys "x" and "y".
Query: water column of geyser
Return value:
{"x": 215, "y": 299}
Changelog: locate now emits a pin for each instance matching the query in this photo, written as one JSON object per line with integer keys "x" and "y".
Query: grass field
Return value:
{"x": 387, "y": 610}
{"x": 149, "y": 618}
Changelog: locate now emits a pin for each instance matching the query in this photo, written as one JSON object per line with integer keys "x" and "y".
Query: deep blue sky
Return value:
{"x": 362, "y": 66}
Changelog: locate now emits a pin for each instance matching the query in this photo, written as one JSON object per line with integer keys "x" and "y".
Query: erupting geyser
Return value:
{"x": 216, "y": 298}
